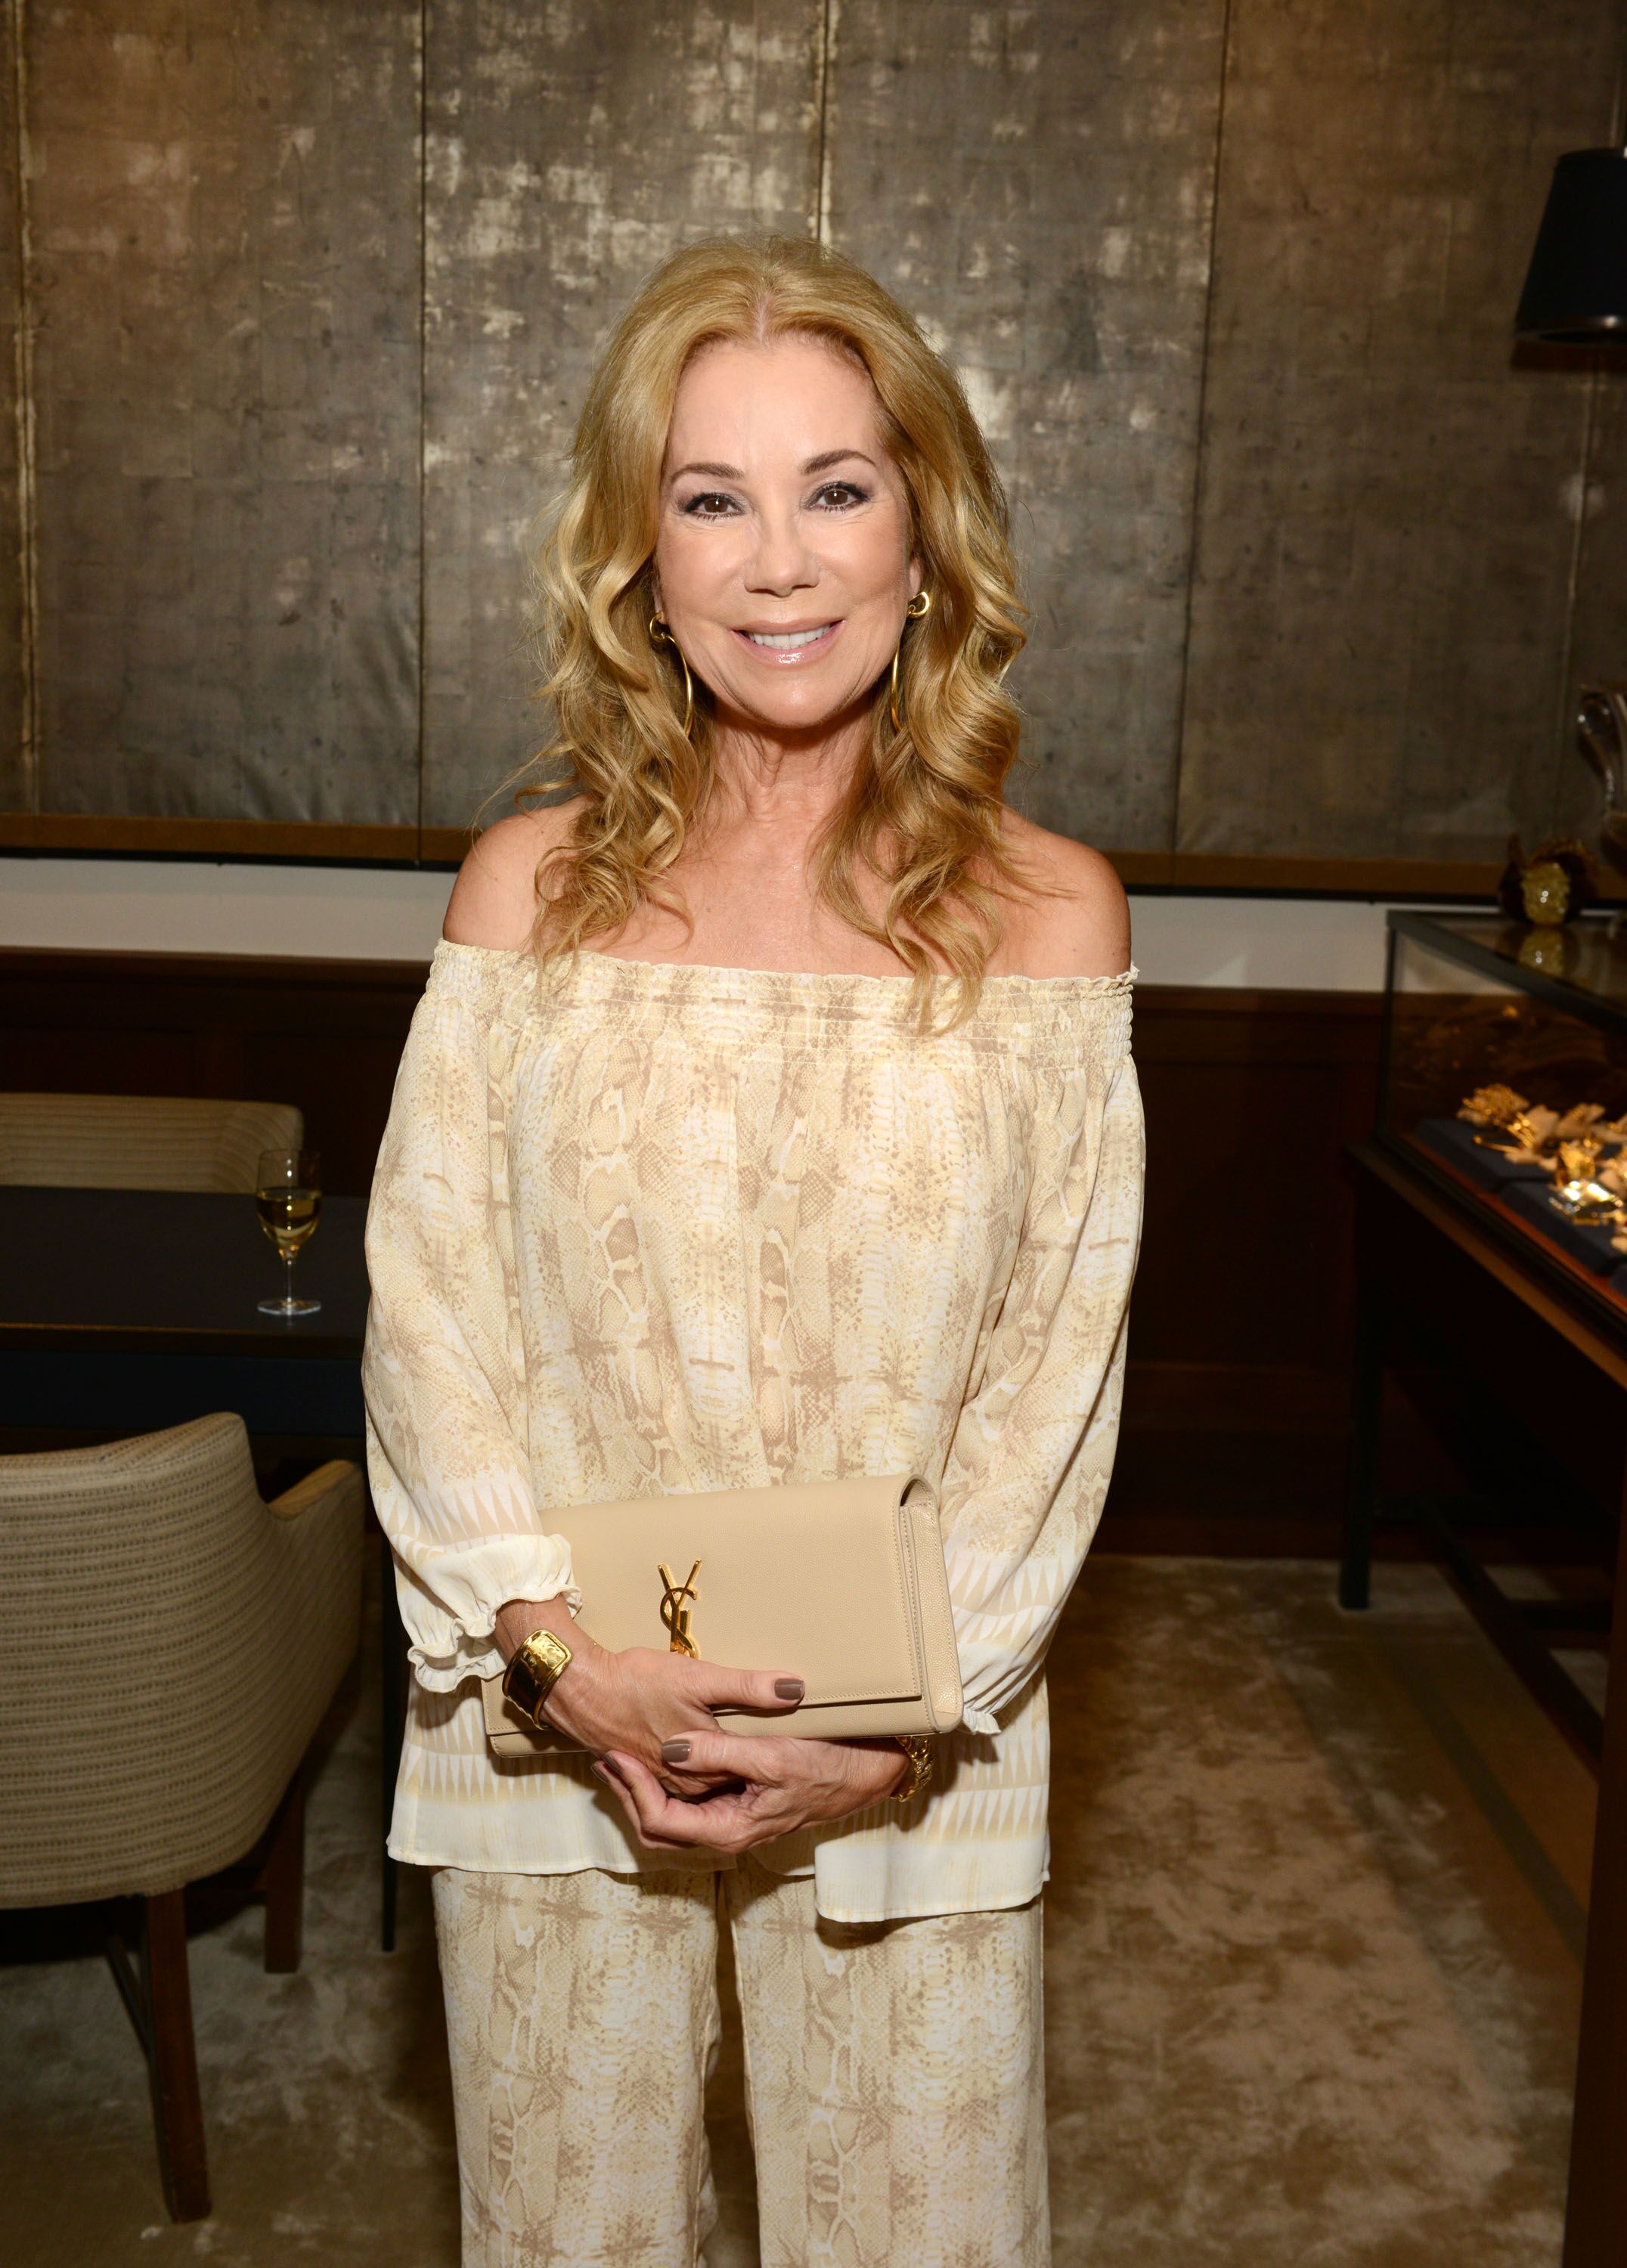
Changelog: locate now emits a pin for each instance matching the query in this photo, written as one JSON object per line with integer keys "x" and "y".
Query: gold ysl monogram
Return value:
{"x": 675, "y": 1612}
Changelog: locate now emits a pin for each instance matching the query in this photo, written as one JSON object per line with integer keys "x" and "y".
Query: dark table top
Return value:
{"x": 177, "y": 1270}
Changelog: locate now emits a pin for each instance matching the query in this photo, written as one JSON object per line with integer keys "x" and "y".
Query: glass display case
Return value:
{"x": 1504, "y": 1080}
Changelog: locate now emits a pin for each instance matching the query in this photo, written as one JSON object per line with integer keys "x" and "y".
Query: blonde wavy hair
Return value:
{"x": 924, "y": 811}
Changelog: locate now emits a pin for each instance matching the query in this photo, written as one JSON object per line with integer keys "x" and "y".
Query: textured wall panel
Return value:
{"x": 1387, "y": 507}
{"x": 15, "y": 781}
{"x": 224, "y": 199}
{"x": 224, "y": 217}
{"x": 1035, "y": 183}
{"x": 1598, "y": 625}
{"x": 570, "y": 148}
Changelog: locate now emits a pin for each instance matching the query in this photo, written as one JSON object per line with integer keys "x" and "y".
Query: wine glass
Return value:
{"x": 288, "y": 1196}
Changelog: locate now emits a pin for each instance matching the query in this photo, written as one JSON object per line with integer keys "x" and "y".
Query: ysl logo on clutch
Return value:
{"x": 675, "y": 1611}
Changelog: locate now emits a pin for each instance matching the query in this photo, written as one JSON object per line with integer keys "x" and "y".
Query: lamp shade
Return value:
{"x": 1576, "y": 291}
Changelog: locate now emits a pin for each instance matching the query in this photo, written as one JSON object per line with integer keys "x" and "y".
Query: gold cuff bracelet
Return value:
{"x": 535, "y": 1671}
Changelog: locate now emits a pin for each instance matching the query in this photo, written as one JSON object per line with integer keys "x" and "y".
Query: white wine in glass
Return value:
{"x": 288, "y": 1196}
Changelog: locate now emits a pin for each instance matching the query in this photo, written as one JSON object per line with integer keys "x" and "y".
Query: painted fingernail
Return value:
{"x": 674, "y": 1752}
{"x": 790, "y": 1689}
{"x": 603, "y": 1769}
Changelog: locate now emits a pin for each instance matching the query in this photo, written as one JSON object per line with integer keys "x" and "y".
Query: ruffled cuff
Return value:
{"x": 450, "y": 1606}
{"x": 989, "y": 1679}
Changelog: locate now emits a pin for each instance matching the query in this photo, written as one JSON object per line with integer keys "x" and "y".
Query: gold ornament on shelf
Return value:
{"x": 1551, "y": 886}
{"x": 1528, "y": 1124}
{"x": 1535, "y": 1132}
{"x": 1588, "y": 1204}
{"x": 1578, "y": 1191}
{"x": 1491, "y": 1106}
{"x": 1584, "y": 1152}
{"x": 1575, "y": 1161}
{"x": 1545, "y": 893}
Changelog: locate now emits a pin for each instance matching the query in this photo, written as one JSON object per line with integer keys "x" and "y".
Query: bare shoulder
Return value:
{"x": 494, "y": 900}
{"x": 1081, "y": 926}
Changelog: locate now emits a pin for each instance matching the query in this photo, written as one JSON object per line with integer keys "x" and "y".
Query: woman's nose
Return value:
{"x": 781, "y": 560}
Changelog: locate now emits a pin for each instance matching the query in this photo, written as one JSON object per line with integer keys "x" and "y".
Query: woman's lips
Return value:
{"x": 791, "y": 657}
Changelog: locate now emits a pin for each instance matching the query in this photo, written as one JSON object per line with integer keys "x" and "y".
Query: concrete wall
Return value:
{"x": 311, "y": 290}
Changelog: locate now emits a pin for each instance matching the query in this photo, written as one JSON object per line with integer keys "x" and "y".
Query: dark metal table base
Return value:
{"x": 1398, "y": 1211}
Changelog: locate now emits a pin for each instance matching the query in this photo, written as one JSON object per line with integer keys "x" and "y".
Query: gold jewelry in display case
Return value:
{"x": 1504, "y": 1080}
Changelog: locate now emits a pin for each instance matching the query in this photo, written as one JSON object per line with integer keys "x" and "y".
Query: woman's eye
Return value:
{"x": 838, "y": 495}
{"x": 711, "y": 506}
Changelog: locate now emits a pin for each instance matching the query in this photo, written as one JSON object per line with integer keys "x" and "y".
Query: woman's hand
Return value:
{"x": 771, "y": 1786}
{"x": 635, "y": 1701}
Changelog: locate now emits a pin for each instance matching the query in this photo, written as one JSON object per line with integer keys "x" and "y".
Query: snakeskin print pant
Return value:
{"x": 895, "y": 2074}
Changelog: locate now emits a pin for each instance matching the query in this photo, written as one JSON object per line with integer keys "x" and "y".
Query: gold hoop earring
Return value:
{"x": 918, "y": 607}
{"x": 660, "y": 635}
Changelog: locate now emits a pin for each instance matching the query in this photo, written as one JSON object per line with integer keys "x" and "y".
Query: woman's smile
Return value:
{"x": 789, "y": 647}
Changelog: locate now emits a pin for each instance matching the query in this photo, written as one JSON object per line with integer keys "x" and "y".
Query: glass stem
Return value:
{"x": 289, "y": 1258}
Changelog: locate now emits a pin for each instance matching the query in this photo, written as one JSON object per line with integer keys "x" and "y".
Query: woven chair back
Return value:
{"x": 168, "y": 1645}
{"x": 140, "y": 1141}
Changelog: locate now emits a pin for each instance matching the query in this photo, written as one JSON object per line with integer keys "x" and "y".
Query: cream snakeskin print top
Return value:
{"x": 640, "y": 1227}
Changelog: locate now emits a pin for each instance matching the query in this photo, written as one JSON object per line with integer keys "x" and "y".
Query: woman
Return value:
{"x": 770, "y": 1116}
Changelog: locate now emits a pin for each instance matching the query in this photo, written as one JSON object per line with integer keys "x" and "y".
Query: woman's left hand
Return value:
{"x": 784, "y": 1784}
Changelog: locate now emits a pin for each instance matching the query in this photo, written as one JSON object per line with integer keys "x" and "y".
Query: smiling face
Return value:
{"x": 783, "y": 564}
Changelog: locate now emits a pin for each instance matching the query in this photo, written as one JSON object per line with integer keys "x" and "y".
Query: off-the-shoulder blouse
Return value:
{"x": 640, "y": 1227}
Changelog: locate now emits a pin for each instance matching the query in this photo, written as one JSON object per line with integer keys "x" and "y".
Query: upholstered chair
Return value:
{"x": 140, "y": 1141}
{"x": 169, "y": 1645}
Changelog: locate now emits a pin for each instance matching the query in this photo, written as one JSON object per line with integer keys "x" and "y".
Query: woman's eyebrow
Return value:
{"x": 820, "y": 464}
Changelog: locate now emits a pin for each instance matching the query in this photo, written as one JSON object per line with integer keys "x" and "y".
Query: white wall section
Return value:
{"x": 150, "y": 905}
{"x": 370, "y": 913}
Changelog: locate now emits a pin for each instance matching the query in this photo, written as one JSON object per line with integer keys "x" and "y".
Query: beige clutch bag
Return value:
{"x": 841, "y": 1583}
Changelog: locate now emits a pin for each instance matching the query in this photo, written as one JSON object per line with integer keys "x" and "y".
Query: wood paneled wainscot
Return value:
{"x": 1234, "y": 1422}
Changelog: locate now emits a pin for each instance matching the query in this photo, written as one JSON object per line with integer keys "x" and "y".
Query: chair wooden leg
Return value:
{"x": 284, "y": 1880}
{"x": 172, "y": 2058}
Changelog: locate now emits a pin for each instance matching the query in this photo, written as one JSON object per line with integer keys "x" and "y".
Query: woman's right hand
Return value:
{"x": 634, "y": 1701}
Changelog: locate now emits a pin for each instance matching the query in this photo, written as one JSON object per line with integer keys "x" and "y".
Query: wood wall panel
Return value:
{"x": 1251, "y": 1099}
{"x": 224, "y": 226}
{"x": 1236, "y": 1409}
{"x": 1388, "y": 512}
{"x": 1236, "y": 1405}
{"x": 325, "y": 1036}
{"x": 1242, "y": 1270}
{"x": 1035, "y": 183}
{"x": 569, "y": 149}
{"x": 15, "y": 750}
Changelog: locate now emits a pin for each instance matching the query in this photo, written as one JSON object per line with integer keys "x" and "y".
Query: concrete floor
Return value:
{"x": 1313, "y": 1946}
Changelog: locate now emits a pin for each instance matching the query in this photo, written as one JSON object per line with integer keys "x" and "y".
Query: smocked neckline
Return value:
{"x": 1119, "y": 981}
